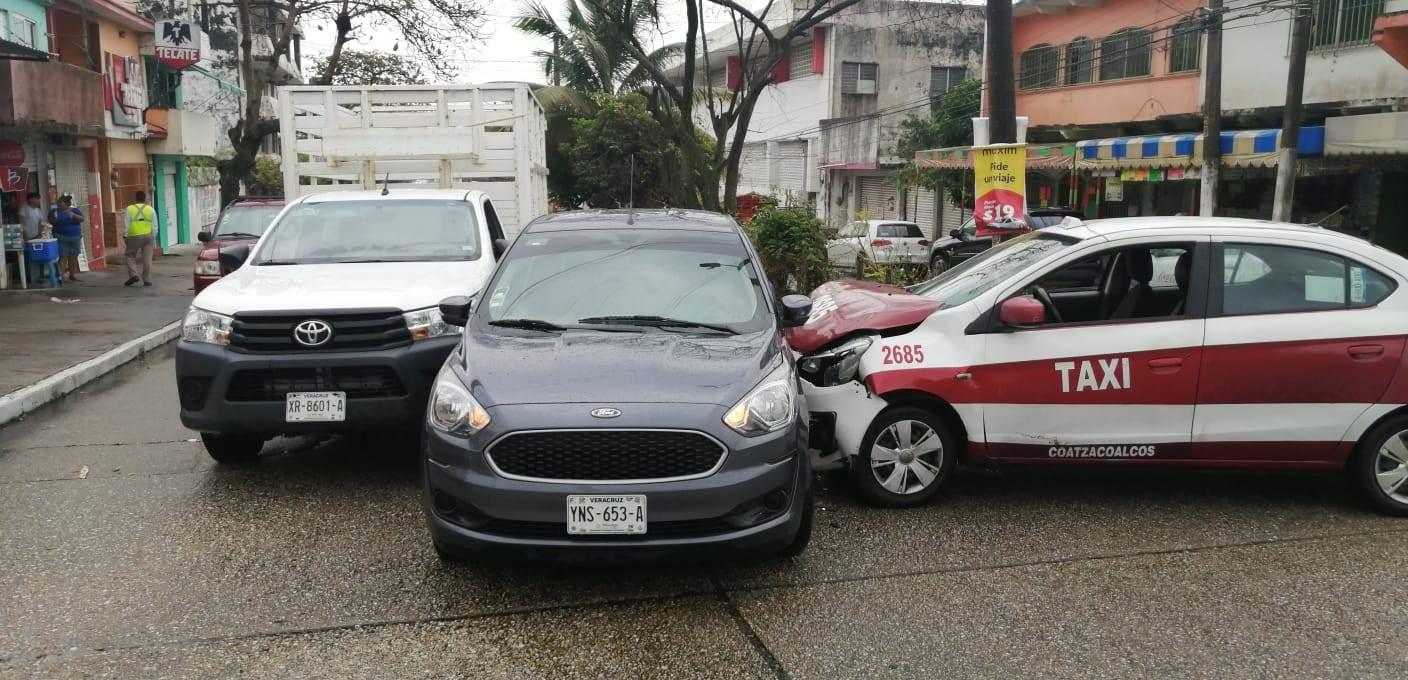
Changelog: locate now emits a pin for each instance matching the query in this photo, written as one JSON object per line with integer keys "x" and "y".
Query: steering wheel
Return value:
{"x": 1045, "y": 299}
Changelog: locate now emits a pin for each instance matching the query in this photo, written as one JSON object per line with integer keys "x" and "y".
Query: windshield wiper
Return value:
{"x": 656, "y": 322}
{"x": 529, "y": 324}
{"x": 276, "y": 263}
{"x": 368, "y": 261}
{"x": 235, "y": 234}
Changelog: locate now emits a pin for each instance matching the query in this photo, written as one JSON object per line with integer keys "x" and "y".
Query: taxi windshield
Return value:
{"x": 995, "y": 265}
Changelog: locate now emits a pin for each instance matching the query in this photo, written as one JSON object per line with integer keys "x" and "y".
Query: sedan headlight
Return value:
{"x": 202, "y": 326}
{"x": 452, "y": 410}
{"x": 836, "y": 365}
{"x": 768, "y": 408}
{"x": 207, "y": 268}
{"x": 427, "y": 323}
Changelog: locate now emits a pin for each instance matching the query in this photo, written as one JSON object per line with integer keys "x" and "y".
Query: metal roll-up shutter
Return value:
{"x": 792, "y": 170}
{"x": 878, "y": 199}
{"x": 753, "y": 169}
{"x": 951, "y": 216}
{"x": 922, "y": 206}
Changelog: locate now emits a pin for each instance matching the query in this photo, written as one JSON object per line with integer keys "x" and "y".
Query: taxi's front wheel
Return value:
{"x": 905, "y": 459}
{"x": 1380, "y": 466}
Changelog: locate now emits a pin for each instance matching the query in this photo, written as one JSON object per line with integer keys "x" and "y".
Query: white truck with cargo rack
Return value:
{"x": 398, "y": 198}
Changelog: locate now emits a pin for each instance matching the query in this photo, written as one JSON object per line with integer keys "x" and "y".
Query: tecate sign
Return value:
{"x": 177, "y": 43}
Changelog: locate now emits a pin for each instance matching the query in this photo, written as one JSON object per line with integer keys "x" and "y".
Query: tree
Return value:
{"x": 358, "y": 67}
{"x": 591, "y": 51}
{"x": 761, "y": 39}
{"x": 434, "y": 29}
{"x": 620, "y": 154}
{"x": 950, "y": 125}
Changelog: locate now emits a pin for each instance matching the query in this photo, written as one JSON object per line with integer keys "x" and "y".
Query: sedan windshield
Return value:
{"x": 399, "y": 230}
{"x": 246, "y": 220}
{"x": 661, "y": 280}
{"x": 995, "y": 265}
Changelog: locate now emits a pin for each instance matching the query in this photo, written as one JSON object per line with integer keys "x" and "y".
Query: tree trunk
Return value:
{"x": 344, "y": 33}
{"x": 735, "y": 151}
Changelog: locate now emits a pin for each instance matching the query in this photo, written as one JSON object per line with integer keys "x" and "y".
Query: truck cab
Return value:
{"x": 330, "y": 322}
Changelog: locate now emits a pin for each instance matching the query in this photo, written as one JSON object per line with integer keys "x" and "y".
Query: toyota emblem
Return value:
{"x": 605, "y": 413}
{"x": 312, "y": 333}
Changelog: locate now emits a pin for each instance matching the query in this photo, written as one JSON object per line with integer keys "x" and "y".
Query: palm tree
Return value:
{"x": 591, "y": 50}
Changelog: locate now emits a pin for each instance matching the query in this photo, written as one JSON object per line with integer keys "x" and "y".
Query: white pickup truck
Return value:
{"x": 330, "y": 322}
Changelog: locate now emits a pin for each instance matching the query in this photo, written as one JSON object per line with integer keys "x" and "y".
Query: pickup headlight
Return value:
{"x": 202, "y": 326}
{"x": 427, "y": 323}
{"x": 207, "y": 268}
{"x": 768, "y": 408}
{"x": 452, "y": 410}
{"x": 837, "y": 365}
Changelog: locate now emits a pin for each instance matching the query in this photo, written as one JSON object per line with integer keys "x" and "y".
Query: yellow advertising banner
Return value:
{"x": 1000, "y": 173}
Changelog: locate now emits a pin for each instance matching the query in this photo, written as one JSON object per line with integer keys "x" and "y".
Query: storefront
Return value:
{"x": 1375, "y": 148}
{"x": 1161, "y": 175}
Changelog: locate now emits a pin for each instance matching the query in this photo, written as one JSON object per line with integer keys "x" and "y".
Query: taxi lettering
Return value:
{"x": 1113, "y": 374}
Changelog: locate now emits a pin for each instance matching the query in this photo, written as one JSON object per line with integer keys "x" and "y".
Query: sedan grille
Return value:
{"x": 272, "y": 384}
{"x": 605, "y": 455}
{"x": 351, "y": 330}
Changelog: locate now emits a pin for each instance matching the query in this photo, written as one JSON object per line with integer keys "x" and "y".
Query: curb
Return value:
{"x": 30, "y": 397}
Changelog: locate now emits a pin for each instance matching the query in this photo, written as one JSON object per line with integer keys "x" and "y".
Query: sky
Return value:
{"x": 505, "y": 53}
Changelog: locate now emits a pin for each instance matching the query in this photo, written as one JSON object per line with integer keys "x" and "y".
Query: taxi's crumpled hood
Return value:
{"x": 841, "y": 308}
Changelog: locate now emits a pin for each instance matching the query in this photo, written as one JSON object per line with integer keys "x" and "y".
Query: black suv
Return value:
{"x": 622, "y": 385}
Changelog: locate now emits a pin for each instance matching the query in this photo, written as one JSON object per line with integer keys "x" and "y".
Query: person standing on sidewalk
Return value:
{"x": 31, "y": 228}
{"x": 68, "y": 229}
{"x": 140, "y": 242}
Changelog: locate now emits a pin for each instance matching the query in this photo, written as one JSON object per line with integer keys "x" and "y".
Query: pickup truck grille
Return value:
{"x": 605, "y": 455}
{"x": 272, "y": 384}
{"x": 351, "y": 330}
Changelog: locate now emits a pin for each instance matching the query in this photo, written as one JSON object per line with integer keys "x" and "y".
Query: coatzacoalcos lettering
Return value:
{"x": 1103, "y": 451}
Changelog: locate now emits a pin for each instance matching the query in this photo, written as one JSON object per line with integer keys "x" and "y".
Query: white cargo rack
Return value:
{"x": 490, "y": 138}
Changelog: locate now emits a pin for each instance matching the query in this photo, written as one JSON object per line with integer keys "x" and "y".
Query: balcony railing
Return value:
{"x": 30, "y": 93}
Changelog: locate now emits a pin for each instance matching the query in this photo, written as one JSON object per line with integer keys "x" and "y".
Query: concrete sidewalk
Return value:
{"x": 48, "y": 332}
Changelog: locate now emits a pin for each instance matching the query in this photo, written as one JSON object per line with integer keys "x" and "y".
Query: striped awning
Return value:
{"x": 1039, "y": 157}
{"x": 1371, "y": 134}
{"x": 1240, "y": 148}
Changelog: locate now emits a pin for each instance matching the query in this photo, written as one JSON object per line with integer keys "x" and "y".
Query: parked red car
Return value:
{"x": 243, "y": 220}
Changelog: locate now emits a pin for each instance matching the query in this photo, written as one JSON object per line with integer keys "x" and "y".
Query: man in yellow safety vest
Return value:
{"x": 140, "y": 242}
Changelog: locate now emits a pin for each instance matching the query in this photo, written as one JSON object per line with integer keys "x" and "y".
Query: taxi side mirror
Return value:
{"x": 1023, "y": 311}
{"x": 203, "y": 237}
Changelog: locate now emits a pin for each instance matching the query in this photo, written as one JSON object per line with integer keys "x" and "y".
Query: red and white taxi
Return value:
{"x": 1150, "y": 341}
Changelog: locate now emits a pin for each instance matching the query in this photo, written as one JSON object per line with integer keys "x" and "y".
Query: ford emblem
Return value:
{"x": 605, "y": 412}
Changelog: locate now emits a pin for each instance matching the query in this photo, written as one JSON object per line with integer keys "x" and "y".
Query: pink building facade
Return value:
{"x": 1107, "y": 63}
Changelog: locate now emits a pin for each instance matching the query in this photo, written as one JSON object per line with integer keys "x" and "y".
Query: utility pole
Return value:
{"x": 1001, "y": 84}
{"x": 1290, "y": 125}
{"x": 1212, "y": 112}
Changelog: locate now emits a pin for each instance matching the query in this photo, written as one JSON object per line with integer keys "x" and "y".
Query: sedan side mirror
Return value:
{"x": 500, "y": 246}
{"x": 454, "y": 310}
{"x": 233, "y": 257}
{"x": 1023, "y": 311}
{"x": 795, "y": 310}
{"x": 203, "y": 237}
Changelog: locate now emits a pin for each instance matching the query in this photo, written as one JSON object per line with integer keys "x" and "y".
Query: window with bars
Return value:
{"x": 943, "y": 78}
{"x": 1080, "y": 61}
{"x": 18, "y": 28}
{"x": 162, "y": 84}
{"x": 859, "y": 77}
{"x": 1185, "y": 44}
{"x": 1342, "y": 23}
{"x": 1125, "y": 54}
{"x": 799, "y": 57}
{"x": 1039, "y": 67}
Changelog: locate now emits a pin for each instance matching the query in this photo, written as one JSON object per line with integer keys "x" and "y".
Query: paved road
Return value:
{"x": 126, "y": 553}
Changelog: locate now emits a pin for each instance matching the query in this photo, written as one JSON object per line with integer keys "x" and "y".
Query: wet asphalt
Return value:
{"x": 126, "y": 553}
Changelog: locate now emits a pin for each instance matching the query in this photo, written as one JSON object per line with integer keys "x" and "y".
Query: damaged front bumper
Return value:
{"x": 847, "y": 410}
